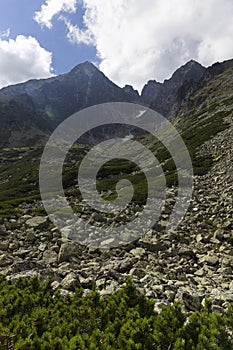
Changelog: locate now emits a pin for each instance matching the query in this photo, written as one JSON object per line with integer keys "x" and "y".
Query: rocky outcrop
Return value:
{"x": 161, "y": 97}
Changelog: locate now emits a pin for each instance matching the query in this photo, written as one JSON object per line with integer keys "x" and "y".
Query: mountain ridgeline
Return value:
{"x": 30, "y": 111}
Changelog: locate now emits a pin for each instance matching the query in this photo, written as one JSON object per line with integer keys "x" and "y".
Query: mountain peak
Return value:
{"x": 192, "y": 62}
{"x": 161, "y": 96}
{"x": 86, "y": 66}
{"x": 192, "y": 70}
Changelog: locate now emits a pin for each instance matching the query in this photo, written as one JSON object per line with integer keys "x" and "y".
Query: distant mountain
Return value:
{"x": 30, "y": 111}
{"x": 162, "y": 96}
{"x": 20, "y": 124}
{"x": 185, "y": 103}
{"x": 43, "y": 104}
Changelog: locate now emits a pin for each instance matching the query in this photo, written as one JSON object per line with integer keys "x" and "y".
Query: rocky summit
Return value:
{"x": 188, "y": 264}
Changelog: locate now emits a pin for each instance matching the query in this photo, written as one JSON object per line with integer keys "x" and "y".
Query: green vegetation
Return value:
{"x": 19, "y": 170}
{"x": 198, "y": 134}
{"x": 19, "y": 178}
{"x": 40, "y": 318}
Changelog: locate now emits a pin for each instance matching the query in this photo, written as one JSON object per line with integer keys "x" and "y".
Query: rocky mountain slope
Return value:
{"x": 191, "y": 263}
{"x": 31, "y": 110}
{"x": 37, "y": 106}
{"x": 162, "y": 96}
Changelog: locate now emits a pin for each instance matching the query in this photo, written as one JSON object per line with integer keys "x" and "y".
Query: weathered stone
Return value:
{"x": 3, "y": 231}
{"x": 110, "y": 289}
{"x": 71, "y": 282}
{"x": 4, "y": 245}
{"x": 219, "y": 235}
{"x": 24, "y": 274}
{"x": 42, "y": 247}
{"x": 86, "y": 282}
{"x": 137, "y": 272}
{"x": 14, "y": 246}
{"x": 6, "y": 260}
{"x": 153, "y": 247}
{"x": 227, "y": 261}
{"x": 26, "y": 265}
{"x": 30, "y": 235}
{"x": 199, "y": 238}
{"x": 69, "y": 250}
{"x": 37, "y": 222}
{"x": 98, "y": 217}
{"x": 138, "y": 252}
{"x": 200, "y": 272}
{"x": 55, "y": 285}
{"x": 50, "y": 257}
{"x": 125, "y": 265}
{"x": 186, "y": 251}
{"x": 191, "y": 302}
{"x": 107, "y": 242}
{"x": 210, "y": 260}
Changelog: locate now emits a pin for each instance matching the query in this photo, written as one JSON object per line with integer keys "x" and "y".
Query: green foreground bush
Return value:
{"x": 40, "y": 318}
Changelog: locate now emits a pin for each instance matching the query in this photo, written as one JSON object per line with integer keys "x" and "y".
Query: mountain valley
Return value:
{"x": 193, "y": 262}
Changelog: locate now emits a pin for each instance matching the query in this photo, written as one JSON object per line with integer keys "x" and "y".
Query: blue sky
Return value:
{"x": 131, "y": 41}
{"x": 17, "y": 15}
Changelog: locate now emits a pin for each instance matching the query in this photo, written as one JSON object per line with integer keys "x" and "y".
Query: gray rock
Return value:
{"x": 191, "y": 302}
{"x": 107, "y": 242}
{"x": 138, "y": 252}
{"x": 42, "y": 247}
{"x": 219, "y": 235}
{"x": 137, "y": 272}
{"x": 110, "y": 289}
{"x": 200, "y": 272}
{"x": 38, "y": 222}
{"x": 4, "y": 245}
{"x": 125, "y": 265}
{"x": 210, "y": 260}
{"x": 50, "y": 257}
{"x": 24, "y": 274}
{"x": 23, "y": 266}
{"x": 86, "y": 282}
{"x": 3, "y": 231}
{"x": 71, "y": 281}
{"x": 69, "y": 250}
{"x": 55, "y": 285}
{"x": 199, "y": 238}
{"x": 98, "y": 217}
{"x": 14, "y": 246}
{"x": 153, "y": 247}
{"x": 6, "y": 260}
{"x": 30, "y": 235}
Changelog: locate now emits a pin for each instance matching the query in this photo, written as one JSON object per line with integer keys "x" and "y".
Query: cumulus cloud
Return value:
{"x": 23, "y": 59}
{"x": 5, "y": 33}
{"x": 77, "y": 35}
{"x": 138, "y": 40}
{"x": 51, "y": 8}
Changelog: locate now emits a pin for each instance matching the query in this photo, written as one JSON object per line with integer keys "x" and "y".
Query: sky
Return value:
{"x": 131, "y": 41}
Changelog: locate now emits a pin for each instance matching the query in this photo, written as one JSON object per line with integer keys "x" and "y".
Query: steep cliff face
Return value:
{"x": 215, "y": 82}
{"x": 162, "y": 96}
{"x": 40, "y": 105}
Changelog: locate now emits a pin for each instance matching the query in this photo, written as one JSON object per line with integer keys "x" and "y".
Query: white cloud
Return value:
{"x": 137, "y": 40}
{"x": 5, "y": 33}
{"x": 51, "y": 8}
{"x": 23, "y": 59}
{"x": 77, "y": 35}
